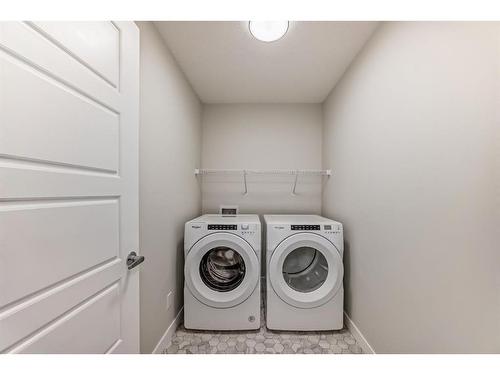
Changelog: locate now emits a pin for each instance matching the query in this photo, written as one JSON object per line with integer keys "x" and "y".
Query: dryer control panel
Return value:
{"x": 326, "y": 228}
{"x": 305, "y": 227}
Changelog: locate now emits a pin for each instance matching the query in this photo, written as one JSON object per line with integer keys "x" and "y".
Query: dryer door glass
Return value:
{"x": 305, "y": 269}
{"x": 222, "y": 269}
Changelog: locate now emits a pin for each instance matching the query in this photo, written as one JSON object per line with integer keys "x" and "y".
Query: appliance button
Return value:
{"x": 245, "y": 226}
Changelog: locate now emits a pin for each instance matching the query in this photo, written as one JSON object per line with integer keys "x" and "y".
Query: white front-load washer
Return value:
{"x": 222, "y": 272}
{"x": 304, "y": 273}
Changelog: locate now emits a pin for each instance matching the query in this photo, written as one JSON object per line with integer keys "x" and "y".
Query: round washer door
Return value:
{"x": 221, "y": 270}
{"x": 306, "y": 270}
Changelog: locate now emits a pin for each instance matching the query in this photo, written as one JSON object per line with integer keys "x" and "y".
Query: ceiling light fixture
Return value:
{"x": 268, "y": 31}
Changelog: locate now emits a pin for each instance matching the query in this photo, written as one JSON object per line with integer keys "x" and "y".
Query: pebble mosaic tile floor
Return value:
{"x": 262, "y": 341}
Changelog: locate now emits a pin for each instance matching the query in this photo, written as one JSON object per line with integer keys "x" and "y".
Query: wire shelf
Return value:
{"x": 321, "y": 172}
{"x": 245, "y": 172}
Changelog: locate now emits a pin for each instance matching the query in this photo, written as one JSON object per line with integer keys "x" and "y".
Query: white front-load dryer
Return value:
{"x": 304, "y": 273}
{"x": 222, "y": 272}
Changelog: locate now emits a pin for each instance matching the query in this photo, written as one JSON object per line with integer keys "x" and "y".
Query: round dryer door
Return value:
{"x": 221, "y": 270}
{"x": 306, "y": 270}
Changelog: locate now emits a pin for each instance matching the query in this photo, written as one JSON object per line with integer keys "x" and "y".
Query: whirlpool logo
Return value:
{"x": 196, "y": 226}
{"x": 279, "y": 227}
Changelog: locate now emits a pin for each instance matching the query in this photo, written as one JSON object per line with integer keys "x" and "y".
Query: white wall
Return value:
{"x": 170, "y": 144}
{"x": 262, "y": 136}
{"x": 412, "y": 134}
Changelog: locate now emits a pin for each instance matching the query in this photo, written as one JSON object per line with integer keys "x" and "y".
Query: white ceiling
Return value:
{"x": 225, "y": 64}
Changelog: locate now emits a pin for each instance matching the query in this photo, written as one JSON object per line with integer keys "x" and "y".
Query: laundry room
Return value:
{"x": 233, "y": 186}
{"x": 384, "y": 134}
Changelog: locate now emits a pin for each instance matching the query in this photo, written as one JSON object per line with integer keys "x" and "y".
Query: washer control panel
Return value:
{"x": 332, "y": 229}
{"x": 222, "y": 227}
{"x": 248, "y": 229}
{"x": 244, "y": 229}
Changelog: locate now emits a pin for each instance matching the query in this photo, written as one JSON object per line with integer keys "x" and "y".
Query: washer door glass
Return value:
{"x": 305, "y": 269}
{"x": 222, "y": 269}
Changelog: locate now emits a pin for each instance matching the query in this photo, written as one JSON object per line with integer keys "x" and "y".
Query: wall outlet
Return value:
{"x": 170, "y": 299}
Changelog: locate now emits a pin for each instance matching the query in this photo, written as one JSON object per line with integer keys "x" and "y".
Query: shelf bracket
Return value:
{"x": 295, "y": 183}
{"x": 245, "y": 181}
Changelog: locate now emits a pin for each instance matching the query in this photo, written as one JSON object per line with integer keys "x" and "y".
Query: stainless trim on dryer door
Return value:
{"x": 313, "y": 278}
{"x": 218, "y": 283}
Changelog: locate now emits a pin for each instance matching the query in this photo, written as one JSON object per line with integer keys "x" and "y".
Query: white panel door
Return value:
{"x": 69, "y": 115}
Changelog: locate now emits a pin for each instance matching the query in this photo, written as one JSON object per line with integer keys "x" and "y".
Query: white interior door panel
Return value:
{"x": 69, "y": 114}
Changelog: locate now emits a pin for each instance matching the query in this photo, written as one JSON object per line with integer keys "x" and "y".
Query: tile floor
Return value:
{"x": 262, "y": 341}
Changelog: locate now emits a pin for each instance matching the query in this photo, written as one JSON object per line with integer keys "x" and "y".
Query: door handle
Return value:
{"x": 134, "y": 260}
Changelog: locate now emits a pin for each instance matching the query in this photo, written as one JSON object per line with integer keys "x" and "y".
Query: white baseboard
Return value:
{"x": 360, "y": 339}
{"x": 169, "y": 333}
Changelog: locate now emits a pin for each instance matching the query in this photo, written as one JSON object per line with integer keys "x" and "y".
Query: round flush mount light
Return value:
{"x": 268, "y": 31}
